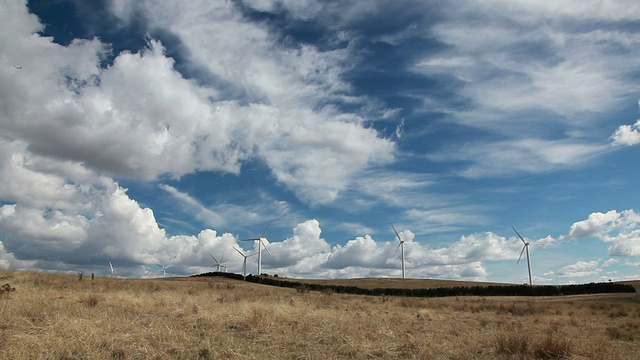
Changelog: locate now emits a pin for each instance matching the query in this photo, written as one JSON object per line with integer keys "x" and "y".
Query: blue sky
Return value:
{"x": 145, "y": 132}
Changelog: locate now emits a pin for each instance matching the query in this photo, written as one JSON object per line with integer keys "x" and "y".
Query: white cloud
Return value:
{"x": 140, "y": 118}
{"x": 610, "y": 262}
{"x": 60, "y": 223}
{"x": 521, "y": 155}
{"x": 530, "y": 68}
{"x": 8, "y": 261}
{"x": 201, "y": 212}
{"x": 622, "y": 229}
{"x": 70, "y": 126}
{"x": 472, "y": 248}
{"x": 67, "y": 122}
{"x": 627, "y": 135}
{"x": 581, "y": 269}
{"x": 361, "y": 251}
{"x": 303, "y": 247}
{"x": 309, "y": 147}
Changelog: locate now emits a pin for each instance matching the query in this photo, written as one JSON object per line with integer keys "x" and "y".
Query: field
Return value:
{"x": 60, "y": 317}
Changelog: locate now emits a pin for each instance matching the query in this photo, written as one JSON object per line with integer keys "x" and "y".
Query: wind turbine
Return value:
{"x": 244, "y": 261}
{"x": 401, "y": 246}
{"x": 260, "y": 244}
{"x": 164, "y": 269}
{"x": 220, "y": 264}
{"x": 524, "y": 247}
{"x": 112, "y": 270}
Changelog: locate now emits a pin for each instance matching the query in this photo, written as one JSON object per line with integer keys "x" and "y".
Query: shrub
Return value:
{"x": 7, "y": 289}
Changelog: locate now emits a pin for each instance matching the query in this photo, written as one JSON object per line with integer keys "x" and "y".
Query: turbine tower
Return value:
{"x": 244, "y": 261}
{"x": 261, "y": 243}
{"x": 525, "y": 247}
{"x": 164, "y": 269}
{"x": 401, "y": 246}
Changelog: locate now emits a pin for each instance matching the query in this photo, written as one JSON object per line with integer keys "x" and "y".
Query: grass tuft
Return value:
{"x": 515, "y": 344}
{"x": 552, "y": 347}
{"x": 91, "y": 300}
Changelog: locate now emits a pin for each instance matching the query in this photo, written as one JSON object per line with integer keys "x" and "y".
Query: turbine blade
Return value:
{"x": 253, "y": 239}
{"x": 239, "y": 252}
{"x": 396, "y": 250}
{"x": 111, "y": 266}
{"x": 396, "y": 231}
{"x": 214, "y": 259}
{"x": 168, "y": 266}
{"x": 520, "y": 257}
{"x": 520, "y": 236}
{"x": 267, "y": 228}
{"x": 265, "y": 247}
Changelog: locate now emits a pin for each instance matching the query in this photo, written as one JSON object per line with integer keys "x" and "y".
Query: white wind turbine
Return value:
{"x": 401, "y": 246}
{"x": 112, "y": 269}
{"x": 525, "y": 247}
{"x": 218, "y": 263}
{"x": 244, "y": 261}
{"x": 164, "y": 269}
{"x": 261, "y": 243}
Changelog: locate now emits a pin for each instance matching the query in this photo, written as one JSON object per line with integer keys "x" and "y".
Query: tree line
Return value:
{"x": 491, "y": 290}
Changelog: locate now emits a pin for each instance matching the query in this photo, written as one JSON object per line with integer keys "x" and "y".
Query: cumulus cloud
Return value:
{"x": 140, "y": 118}
{"x": 622, "y": 229}
{"x": 581, "y": 269}
{"x": 49, "y": 221}
{"x": 627, "y": 135}
{"x": 473, "y": 248}
{"x": 310, "y": 147}
{"x": 302, "y": 251}
{"x": 70, "y": 125}
{"x": 93, "y": 222}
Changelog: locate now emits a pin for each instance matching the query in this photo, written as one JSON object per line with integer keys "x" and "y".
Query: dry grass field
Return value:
{"x": 59, "y": 317}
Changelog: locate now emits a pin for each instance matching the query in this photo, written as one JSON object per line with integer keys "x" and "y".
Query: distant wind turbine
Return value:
{"x": 261, "y": 243}
{"x": 525, "y": 247}
{"x": 401, "y": 246}
{"x": 164, "y": 269}
{"x": 244, "y": 261}
{"x": 218, "y": 263}
{"x": 112, "y": 269}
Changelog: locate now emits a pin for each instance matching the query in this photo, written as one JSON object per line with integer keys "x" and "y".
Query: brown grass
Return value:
{"x": 58, "y": 317}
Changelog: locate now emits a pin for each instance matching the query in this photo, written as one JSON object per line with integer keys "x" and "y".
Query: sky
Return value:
{"x": 163, "y": 132}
